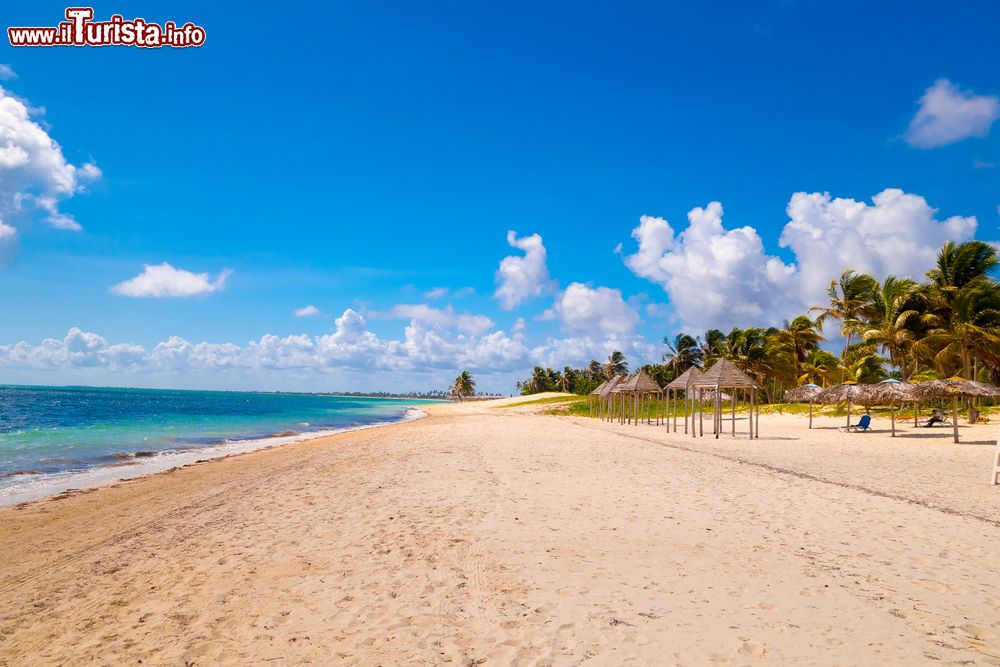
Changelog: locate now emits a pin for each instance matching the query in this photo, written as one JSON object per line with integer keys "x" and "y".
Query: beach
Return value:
{"x": 501, "y": 535}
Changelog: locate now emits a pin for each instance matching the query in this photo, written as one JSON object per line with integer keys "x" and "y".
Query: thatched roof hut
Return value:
{"x": 848, "y": 392}
{"x": 682, "y": 382}
{"x": 954, "y": 387}
{"x": 640, "y": 383}
{"x": 807, "y": 393}
{"x": 890, "y": 392}
{"x": 598, "y": 388}
{"x": 685, "y": 379}
{"x": 724, "y": 374}
{"x": 609, "y": 386}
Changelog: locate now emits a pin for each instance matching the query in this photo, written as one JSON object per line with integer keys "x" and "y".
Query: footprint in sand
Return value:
{"x": 753, "y": 650}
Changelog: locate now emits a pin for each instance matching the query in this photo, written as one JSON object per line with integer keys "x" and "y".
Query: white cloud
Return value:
{"x": 442, "y": 317}
{"x": 351, "y": 346}
{"x": 720, "y": 278}
{"x": 898, "y": 233}
{"x": 714, "y": 276}
{"x": 948, "y": 114}
{"x": 164, "y": 281}
{"x": 522, "y": 278}
{"x": 34, "y": 175}
{"x": 7, "y": 73}
{"x": 594, "y": 311}
{"x": 306, "y": 311}
{"x": 441, "y": 292}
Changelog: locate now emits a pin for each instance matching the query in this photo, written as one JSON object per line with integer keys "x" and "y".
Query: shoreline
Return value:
{"x": 141, "y": 467}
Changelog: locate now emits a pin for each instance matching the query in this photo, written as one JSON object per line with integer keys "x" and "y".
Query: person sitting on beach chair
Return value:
{"x": 864, "y": 424}
{"x": 937, "y": 417}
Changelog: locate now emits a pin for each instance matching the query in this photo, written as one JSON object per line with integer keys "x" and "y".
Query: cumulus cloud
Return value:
{"x": 161, "y": 281}
{"x": 34, "y": 174}
{"x": 714, "y": 276}
{"x": 349, "y": 346}
{"x": 522, "y": 278}
{"x": 948, "y": 114}
{"x": 595, "y": 311}
{"x": 7, "y": 73}
{"x": 306, "y": 311}
{"x": 597, "y": 321}
{"x": 718, "y": 277}
{"x": 442, "y": 317}
{"x": 897, "y": 233}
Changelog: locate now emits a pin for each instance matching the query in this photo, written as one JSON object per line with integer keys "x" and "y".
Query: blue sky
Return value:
{"x": 363, "y": 155}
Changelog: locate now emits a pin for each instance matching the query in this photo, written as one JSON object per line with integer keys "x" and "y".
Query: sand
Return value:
{"x": 501, "y": 536}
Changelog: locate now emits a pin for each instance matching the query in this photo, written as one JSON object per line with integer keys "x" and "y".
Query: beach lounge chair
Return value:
{"x": 864, "y": 424}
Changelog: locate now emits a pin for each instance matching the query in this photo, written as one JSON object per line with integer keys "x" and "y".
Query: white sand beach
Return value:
{"x": 502, "y": 536}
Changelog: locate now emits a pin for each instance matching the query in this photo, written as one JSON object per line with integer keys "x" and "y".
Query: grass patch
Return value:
{"x": 541, "y": 401}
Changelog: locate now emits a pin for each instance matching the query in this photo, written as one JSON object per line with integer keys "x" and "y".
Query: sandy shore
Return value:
{"x": 498, "y": 536}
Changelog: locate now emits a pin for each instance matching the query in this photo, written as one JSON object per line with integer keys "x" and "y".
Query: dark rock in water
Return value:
{"x": 121, "y": 455}
{"x": 144, "y": 455}
{"x": 28, "y": 471}
{"x": 284, "y": 434}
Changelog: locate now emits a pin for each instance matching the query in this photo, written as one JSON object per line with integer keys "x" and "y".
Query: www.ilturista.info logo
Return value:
{"x": 79, "y": 29}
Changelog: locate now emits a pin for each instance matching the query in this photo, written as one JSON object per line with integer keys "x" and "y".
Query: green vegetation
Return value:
{"x": 464, "y": 385}
{"x": 948, "y": 325}
{"x": 537, "y": 401}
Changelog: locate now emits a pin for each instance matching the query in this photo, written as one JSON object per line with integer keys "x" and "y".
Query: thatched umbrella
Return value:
{"x": 954, "y": 388}
{"x": 724, "y": 374}
{"x": 807, "y": 392}
{"x": 850, "y": 391}
{"x": 681, "y": 383}
{"x": 639, "y": 387}
{"x": 890, "y": 392}
{"x": 594, "y": 396}
{"x": 606, "y": 396}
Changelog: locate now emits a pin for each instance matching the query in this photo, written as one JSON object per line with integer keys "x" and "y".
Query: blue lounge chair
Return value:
{"x": 864, "y": 424}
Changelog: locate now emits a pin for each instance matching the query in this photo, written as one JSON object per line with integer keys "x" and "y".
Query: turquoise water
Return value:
{"x": 53, "y": 438}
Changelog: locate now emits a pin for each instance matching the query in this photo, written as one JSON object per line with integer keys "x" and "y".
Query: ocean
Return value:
{"x": 57, "y": 438}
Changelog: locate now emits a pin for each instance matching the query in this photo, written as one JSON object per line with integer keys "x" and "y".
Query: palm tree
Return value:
{"x": 538, "y": 382}
{"x": 820, "y": 367}
{"x": 968, "y": 330}
{"x": 683, "y": 352}
{"x": 962, "y": 265}
{"x": 464, "y": 385}
{"x": 566, "y": 379}
{"x": 799, "y": 337}
{"x": 893, "y": 307}
{"x": 615, "y": 365}
{"x": 849, "y": 302}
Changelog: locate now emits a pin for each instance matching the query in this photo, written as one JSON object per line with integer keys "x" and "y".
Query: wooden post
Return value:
{"x": 954, "y": 416}
{"x": 732, "y": 401}
{"x": 701, "y": 417}
{"x": 756, "y": 426}
{"x": 892, "y": 417}
{"x": 848, "y": 414}
{"x": 916, "y": 413}
{"x": 810, "y": 414}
